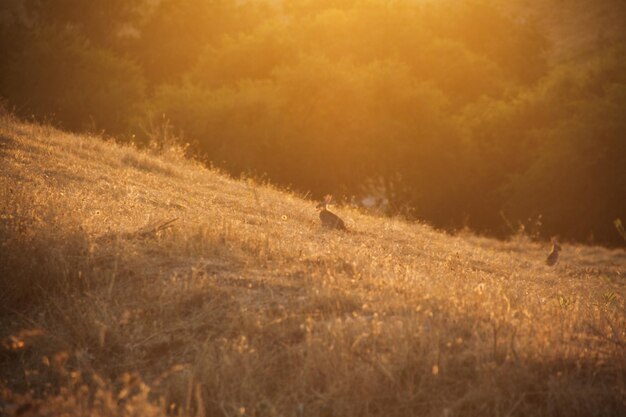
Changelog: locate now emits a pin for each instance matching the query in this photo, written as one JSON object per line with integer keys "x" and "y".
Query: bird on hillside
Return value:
{"x": 553, "y": 258}
{"x": 329, "y": 219}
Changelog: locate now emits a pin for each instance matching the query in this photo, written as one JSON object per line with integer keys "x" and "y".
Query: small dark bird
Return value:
{"x": 330, "y": 220}
{"x": 553, "y": 258}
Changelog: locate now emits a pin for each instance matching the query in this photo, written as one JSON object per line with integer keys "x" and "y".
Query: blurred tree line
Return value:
{"x": 452, "y": 108}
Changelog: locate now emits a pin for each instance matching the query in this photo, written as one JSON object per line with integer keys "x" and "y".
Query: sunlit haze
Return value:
{"x": 312, "y": 208}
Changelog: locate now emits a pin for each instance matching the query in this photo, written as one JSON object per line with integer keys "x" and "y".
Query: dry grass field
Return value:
{"x": 245, "y": 306}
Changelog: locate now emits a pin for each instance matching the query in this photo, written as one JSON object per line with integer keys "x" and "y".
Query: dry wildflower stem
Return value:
{"x": 245, "y": 305}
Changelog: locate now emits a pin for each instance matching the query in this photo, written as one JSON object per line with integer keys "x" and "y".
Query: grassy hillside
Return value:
{"x": 245, "y": 306}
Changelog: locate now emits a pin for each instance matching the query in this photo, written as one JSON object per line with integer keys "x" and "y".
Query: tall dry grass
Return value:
{"x": 245, "y": 306}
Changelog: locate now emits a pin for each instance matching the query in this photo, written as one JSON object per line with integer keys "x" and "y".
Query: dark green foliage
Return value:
{"x": 577, "y": 179}
{"x": 99, "y": 20}
{"x": 59, "y": 73}
{"x": 176, "y": 33}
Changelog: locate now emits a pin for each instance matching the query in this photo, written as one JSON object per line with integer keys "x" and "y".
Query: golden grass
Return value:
{"x": 246, "y": 306}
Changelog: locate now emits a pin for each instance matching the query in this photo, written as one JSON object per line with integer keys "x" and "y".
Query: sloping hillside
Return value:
{"x": 133, "y": 283}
